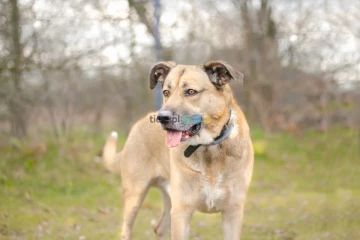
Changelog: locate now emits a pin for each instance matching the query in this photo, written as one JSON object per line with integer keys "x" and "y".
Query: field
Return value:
{"x": 302, "y": 188}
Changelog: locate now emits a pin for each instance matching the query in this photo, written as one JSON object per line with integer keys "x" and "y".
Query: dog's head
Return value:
{"x": 197, "y": 99}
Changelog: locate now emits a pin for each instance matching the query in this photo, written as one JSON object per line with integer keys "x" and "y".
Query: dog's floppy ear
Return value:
{"x": 220, "y": 73}
{"x": 159, "y": 72}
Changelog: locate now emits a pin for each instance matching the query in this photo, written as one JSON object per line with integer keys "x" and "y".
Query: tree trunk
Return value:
{"x": 16, "y": 102}
{"x": 261, "y": 49}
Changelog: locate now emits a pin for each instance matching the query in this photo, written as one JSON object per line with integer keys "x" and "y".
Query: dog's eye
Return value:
{"x": 190, "y": 92}
{"x": 166, "y": 93}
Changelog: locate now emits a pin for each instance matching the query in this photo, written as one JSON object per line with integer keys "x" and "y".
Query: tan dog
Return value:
{"x": 211, "y": 157}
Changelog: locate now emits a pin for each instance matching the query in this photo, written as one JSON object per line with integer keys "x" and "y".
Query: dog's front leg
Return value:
{"x": 180, "y": 222}
{"x": 232, "y": 223}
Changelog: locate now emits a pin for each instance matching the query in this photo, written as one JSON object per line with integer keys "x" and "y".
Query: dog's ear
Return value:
{"x": 220, "y": 73}
{"x": 159, "y": 72}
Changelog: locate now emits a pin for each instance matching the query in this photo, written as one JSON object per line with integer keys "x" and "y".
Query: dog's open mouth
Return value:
{"x": 174, "y": 137}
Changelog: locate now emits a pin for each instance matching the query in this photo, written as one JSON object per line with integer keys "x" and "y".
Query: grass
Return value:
{"x": 307, "y": 188}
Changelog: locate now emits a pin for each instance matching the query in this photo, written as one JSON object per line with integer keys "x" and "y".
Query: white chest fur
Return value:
{"x": 212, "y": 195}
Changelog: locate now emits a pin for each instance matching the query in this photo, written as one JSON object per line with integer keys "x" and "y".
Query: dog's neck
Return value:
{"x": 225, "y": 133}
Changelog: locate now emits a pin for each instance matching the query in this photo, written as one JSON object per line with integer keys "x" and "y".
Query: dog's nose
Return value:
{"x": 164, "y": 116}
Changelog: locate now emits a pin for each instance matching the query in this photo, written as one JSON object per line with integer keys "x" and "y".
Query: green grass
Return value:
{"x": 307, "y": 188}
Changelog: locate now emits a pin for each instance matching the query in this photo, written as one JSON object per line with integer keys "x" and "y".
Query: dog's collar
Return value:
{"x": 225, "y": 132}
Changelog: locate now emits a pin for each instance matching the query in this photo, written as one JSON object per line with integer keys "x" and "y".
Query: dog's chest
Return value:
{"x": 212, "y": 194}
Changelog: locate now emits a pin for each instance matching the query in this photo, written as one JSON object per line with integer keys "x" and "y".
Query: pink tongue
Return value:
{"x": 173, "y": 138}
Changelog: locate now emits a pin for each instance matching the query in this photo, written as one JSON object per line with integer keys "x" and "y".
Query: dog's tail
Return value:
{"x": 111, "y": 159}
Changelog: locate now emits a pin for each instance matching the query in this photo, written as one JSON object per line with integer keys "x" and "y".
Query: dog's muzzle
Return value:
{"x": 164, "y": 116}
{"x": 179, "y": 128}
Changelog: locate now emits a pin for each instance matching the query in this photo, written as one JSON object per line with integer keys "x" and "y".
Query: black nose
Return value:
{"x": 164, "y": 116}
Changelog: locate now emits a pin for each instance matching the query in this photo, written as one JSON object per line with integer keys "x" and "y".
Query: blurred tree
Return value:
{"x": 64, "y": 63}
{"x": 15, "y": 66}
{"x": 262, "y": 60}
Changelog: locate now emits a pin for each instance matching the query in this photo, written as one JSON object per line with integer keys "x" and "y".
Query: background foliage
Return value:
{"x": 72, "y": 71}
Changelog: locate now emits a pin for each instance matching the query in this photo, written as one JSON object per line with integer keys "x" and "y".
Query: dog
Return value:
{"x": 198, "y": 151}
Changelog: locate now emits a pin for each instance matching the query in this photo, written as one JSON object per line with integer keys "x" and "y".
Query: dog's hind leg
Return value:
{"x": 133, "y": 199}
{"x": 163, "y": 226}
